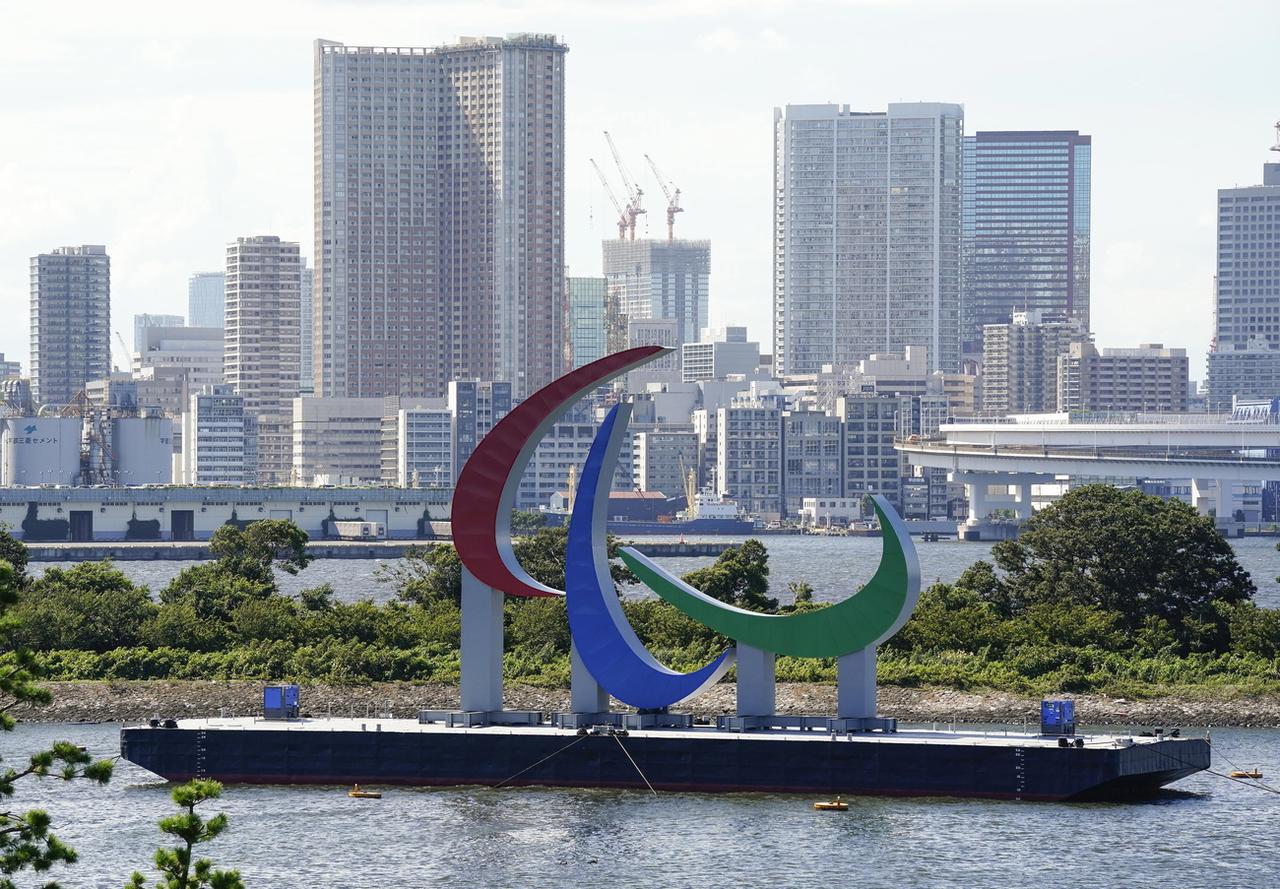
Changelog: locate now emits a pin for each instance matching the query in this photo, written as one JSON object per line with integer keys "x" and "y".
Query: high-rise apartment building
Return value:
{"x": 306, "y": 329}
{"x": 866, "y": 234}
{"x": 1244, "y": 358}
{"x": 262, "y": 343}
{"x": 871, "y": 465}
{"x": 142, "y": 322}
{"x": 587, "y": 299}
{"x": 1025, "y": 230}
{"x": 439, "y": 213}
{"x": 1020, "y": 361}
{"x": 651, "y": 280}
{"x": 811, "y": 457}
{"x": 748, "y": 442}
{"x": 206, "y": 299}
{"x": 1148, "y": 378}
{"x": 70, "y": 321}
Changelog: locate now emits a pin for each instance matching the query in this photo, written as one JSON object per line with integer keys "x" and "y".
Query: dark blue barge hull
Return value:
{"x": 714, "y": 762}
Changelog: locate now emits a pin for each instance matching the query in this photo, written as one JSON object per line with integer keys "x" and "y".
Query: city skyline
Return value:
{"x": 707, "y": 124}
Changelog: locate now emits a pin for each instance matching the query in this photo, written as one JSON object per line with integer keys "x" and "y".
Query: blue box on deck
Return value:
{"x": 1057, "y": 717}
{"x": 280, "y": 702}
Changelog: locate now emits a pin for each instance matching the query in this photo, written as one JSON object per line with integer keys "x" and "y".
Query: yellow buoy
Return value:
{"x": 835, "y": 805}
{"x": 356, "y": 793}
{"x": 1250, "y": 773}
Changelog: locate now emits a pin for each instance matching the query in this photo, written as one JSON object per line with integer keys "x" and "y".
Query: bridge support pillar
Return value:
{"x": 856, "y": 684}
{"x": 1023, "y": 508}
{"x": 975, "y": 489}
{"x": 481, "y": 654}
{"x": 757, "y": 687}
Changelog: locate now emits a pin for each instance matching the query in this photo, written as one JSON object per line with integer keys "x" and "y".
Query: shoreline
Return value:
{"x": 103, "y": 701}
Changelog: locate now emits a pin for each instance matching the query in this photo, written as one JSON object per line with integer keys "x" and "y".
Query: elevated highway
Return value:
{"x": 1219, "y": 457}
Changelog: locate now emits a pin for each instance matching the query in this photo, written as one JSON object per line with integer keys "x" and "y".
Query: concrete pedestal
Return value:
{"x": 585, "y": 694}
{"x": 757, "y": 686}
{"x": 856, "y": 684}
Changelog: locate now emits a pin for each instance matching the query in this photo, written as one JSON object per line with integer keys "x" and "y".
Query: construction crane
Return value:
{"x": 124, "y": 349}
{"x": 635, "y": 194}
{"x": 622, "y": 214}
{"x": 673, "y": 197}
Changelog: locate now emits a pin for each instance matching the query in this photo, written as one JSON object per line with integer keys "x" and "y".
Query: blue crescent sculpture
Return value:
{"x": 605, "y": 641}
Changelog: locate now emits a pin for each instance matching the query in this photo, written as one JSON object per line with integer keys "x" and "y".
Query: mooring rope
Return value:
{"x": 633, "y": 762}
{"x": 539, "y": 762}
{"x": 1255, "y": 784}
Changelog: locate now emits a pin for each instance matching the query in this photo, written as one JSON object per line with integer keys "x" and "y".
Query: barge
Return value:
{"x": 707, "y": 759}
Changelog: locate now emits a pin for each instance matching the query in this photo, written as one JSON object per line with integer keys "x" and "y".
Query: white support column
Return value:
{"x": 585, "y": 694}
{"x": 757, "y": 688}
{"x": 481, "y": 657}
{"x": 856, "y": 684}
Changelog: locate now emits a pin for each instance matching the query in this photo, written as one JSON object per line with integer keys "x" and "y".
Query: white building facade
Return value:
{"x": 866, "y": 234}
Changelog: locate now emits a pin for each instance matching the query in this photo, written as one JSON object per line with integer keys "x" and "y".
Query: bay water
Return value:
{"x": 1207, "y": 831}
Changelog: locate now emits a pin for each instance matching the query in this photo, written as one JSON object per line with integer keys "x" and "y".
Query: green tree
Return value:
{"x": 801, "y": 591}
{"x": 251, "y": 552}
{"x": 14, "y": 551}
{"x": 525, "y": 522}
{"x": 176, "y": 868}
{"x": 542, "y": 554}
{"x": 244, "y": 570}
{"x": 92, "y": 606}
{"x": 214, "y": 590}
{"x": 536, "y": 623}
{"x": 434, "y": 573}
{"x": 740, "y": 576}
{"x": 26, "y": 841}
{"x": 948, "y": 617}
{"x": 317, "y": 598}
{"x": 1122, "y": 551}
{"x": 425, "y": 574}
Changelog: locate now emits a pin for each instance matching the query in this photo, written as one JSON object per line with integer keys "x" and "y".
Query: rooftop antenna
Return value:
{"x": 1276, "y": 147}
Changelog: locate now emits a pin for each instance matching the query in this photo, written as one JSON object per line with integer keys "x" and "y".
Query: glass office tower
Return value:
{"x": 1025, "y": 238}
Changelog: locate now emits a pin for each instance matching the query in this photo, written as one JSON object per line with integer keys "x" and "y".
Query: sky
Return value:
{"x": 164, "y": 130}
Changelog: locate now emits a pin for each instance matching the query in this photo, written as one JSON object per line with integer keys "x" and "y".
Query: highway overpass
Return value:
{"x": 1223, "y": 460}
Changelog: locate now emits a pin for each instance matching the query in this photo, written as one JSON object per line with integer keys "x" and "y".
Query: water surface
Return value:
{"x": 1209, "y": 832}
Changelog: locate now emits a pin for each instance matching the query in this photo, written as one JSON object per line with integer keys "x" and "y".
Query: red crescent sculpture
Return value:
{"x": 486, "y": 489}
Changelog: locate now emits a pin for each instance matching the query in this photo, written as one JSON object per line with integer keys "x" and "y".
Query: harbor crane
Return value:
{"x": 622, "y": 214}
{"x": 635, "y": 194}
{"x": 673, "y": 197}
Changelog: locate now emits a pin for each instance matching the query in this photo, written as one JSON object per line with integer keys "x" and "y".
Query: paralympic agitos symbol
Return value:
{"x": 606, "y": 643}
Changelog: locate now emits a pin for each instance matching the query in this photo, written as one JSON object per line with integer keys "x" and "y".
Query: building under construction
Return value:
{"x": 652, "y": 279}
{"x": 648, "y": 279}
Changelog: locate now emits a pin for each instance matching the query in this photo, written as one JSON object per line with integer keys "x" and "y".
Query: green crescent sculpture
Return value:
{"x": 868, "y": 617}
